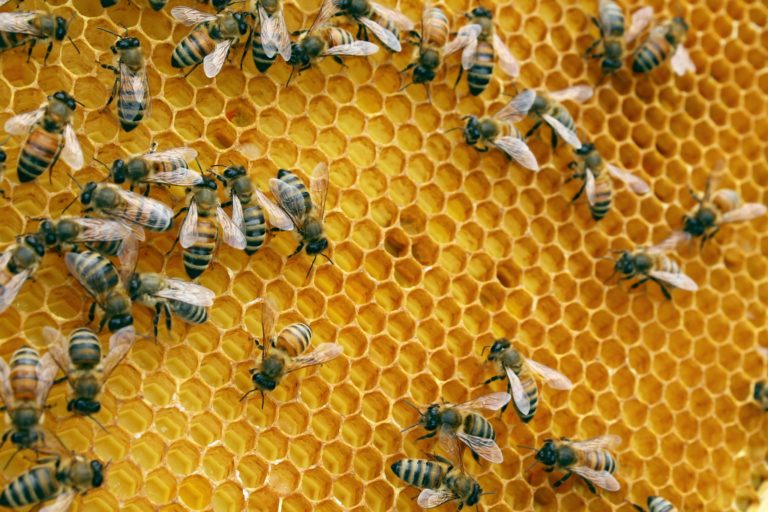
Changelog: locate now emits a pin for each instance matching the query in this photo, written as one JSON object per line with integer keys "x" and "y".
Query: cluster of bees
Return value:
{"x": 114, "y": 220}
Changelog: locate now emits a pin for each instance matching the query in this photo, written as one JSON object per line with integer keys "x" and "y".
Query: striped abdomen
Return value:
{"x": 425, "y": 474}
{"x": 255, "y": 227}
{"x": 192, "y": 49}
{"x": 435, "y": 27}
{"x": 36, "y": 485}
{"x": 198, "y": 256}
{"x": 147, "y": 215}
{"x": 659, "y": 504}
{"x": 131, "y": 104}
{"x": 24, "y": 366}
{"x": 603, "y": 195}
{"x": 611, "y": 18}
{"x": 260, "y": 58}
{"x": 479, "y": 75}
{"x": 651, "y": 53}
{"x": 94, "y": 268}
{"x": 108, "y": 248}
{"x": 84, "y": 348}
{"x": 289, "y": 178}
{"x": 476, "y": 425}
{"x": 336, "y": 36}
{"x": 10, "y": 40}
{"x": 531, "y": 392}
{"x": 38, "y": 154}
{"x": 294, "y": 339}
{"x": 189, "y": 312}
{"x": 665, "y": 264}
{"x": 599, "y": 460}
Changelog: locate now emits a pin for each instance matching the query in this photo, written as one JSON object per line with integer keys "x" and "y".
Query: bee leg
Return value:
{"x": 706, "y": 237}
{"x": 156, "y": 318}
{"x": 590, "y": 485}
{"x": 298, "y": 250}
{"x": 168, "y": 321}
{"x": 458, "y": 77}
{"x": 589, "y": 53}
{"x": 664, "y": 289}
{"x": 427, "y": 436}
{"x": 102, "y": 323}
{"x": 637, "y": 507}
{"x": 408, "y": 67}
{"x": 146, "y": 190}
{"x": 562, "y": 480}
{"x": 5, "y": 438}
{"x": 245, "y": 48}
{"x": 92, "y": 312}
{"x": 339, "y": 61}
{"x": 475, "y": 455}
{"x": 578, "y": 194}
{"x": 191, "y": 70}
{"x": 554, "y": 139}
{"x": 31, "y": 47}
{"x": 113, "y": 93}
{"x": 493, "y": 379}
{"x": 533, "y": 129}
{"x": 186, "y": 208}
{"x": 640, "y": 282}
{"x": 172, "y": 246}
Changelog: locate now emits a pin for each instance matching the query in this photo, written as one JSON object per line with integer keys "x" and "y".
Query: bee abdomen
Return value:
{"x": 108, "y": 248}
{"x": 419, "y": 473}
{"x": 294, "y": 339}
{"x": 93, "y": 263}
{"x": 84, "y": 347}
{"x": 435, "y": 27}
{"x": 37, "y": 154}
{"x": 600, "y": 460}
{"x": 659, "y": 504}
{"x": 337, "y": 36}
{"x": 130, "y": 110}
{"x": 476, "y": 425}
{"x": 603, "y": 197}
{"x": 197, "y": 257}
{"x": 613, "y": 19}
{"x": 649, "y": 55}
{"x": 10, "y": 40}
{"x": 480, "y": 73}
{"x": 156, "y": 219}
{"x": 192, "y": 49}
{"x": 260, "y": 59}
{"x": 532, "y": 393}
{"x": 36, "y": 485}
{"x": 189, "y": 312}
{"x": 255, "y": 228}
{"x": 24, "y": 363}
{"x": 291, "y": 179}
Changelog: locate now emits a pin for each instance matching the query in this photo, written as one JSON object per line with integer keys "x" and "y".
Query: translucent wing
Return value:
{"x": 189, "y": 16}
{"x": 327, "y": 11}
{"x": 467, "y": 35}
{"x": 233, "y": 235}
{"x": 22, "y": 123}
{"x": 637, "y": 185}
{"x": 553, "y": 378}
{"x": 182, "y": 177}
{"x": 132, "y": 83}
{"x": 214, "y": 61}
{"x": 491, "y": 401}
{"x": 290, "y": 200}
{"x": 46, "y": 371}
{"x": 184, "y": 291}
{"x": 577, "y": 93}
{"x": 268, "y": 320}
{"x": 119, "y": 345}
{"x": 518, "y": 108}
{"x": 670, "y": 243}
{"x": 19, "y": 23}
{"x": 358, "y": 48}
{"x": 602, "y": 479}
{"x": 450, "y": 444}
{"x": 589, "y": 186}
{"x": 72, "y": 154}
{"x": 139, "y": 207}
{"x": 128, "y": 255}
{"x": 322, "y": 354}
{"x": 10, "y": 290}
{"x": 682, "y": 62}
{"x": 748, "y": 211}
{"x": 58, "y": 347}
{"x": 172, "y": 156}
{"x": 518, "y": 392}
{"x": 640, "y": 19}
{"x": 518, "y": 151}
{"x": 237, "y": 213}
{"x": 94, "y": 229}
{"x": 62, "y": 504}
{"x": 485, "y": 448}
{"x": 506, "y": 61}
{"x": 680, "y": 280}
{"x": 188, "y": 233}
{"x": 318, "y": 187}
{"x": 566, "y": 134}
{"x": 3, "y": 2}
{"x": 431, "y": 498}
{"x": 94, "y": 282}
{"x": 389, "y": 39}
{"x": 398, "y": 19}
{"x": 277, "y": 217}
{"x": 5, "y": 384}
{"x": 274, "y": 34}
{"x": 598, "y": 443}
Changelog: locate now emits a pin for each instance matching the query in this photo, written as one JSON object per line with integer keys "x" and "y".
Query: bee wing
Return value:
{"x": 171, "y": 156}
{"x": 132, "y": 83}
{"x": 680, "y": 280}
{"x": 58, "y": 347}
{"x": 290, "y": 200}
{"x": 190, "y": 293}
{"x": 389, "y": 39}
{"x": 188, "y": 232}
{"x": 238, "y": 217}
{"x": 398, "y": 19}
{"x": 589, "y": 186}
{"x": 10, "y": 290}
{"x": 598, "y": 443}
{"x": 136, "y": 204}
{"x": 318, "y": 187}
{"x": 566, "y": 134}
{"x": 577, "y": 93}
{"x": 553, "y": 378}
{"x": 518, "y": 151}
{"x": 46, "y": 371}
{"x": 182, "y": 177}
{"x": 506, "y": 61}
{"x": 22, "y": 123}
{"x": 62, "y": 503}
{"x": 682, "y": 62}
{"x": 671, "y": 242}
{"x": 431, "y": 498}
{"x": 486, "y": 448}
{"x": 277, "y": 217}
{"x": 19, "y": 23}
{"x": 3, "y": 2}
{"x": 95, "y": 229}
{"x": 357, "y": 48}
{"x": 518, "y": 108}
{"x": 274, "y": 34}
{"x": 6, "y": 393}
{"x": 94, "y": 282}
{"x": 748, "y": 211}
{"x": 322, "y": 354}
{"x": 449, "y": 442}
{"x": 467, "y": 35}
{"x": 189, "y": 16}
{"x": 327, "y": 11}
{"x": 491, "y": 401}
{"x": 602, "y": 479}
{"x": 128, "y": 255}
{"x": 637, "y": 185}
{"x": 72, "y": 153}
{"x": 119, "y": 345}
{"x": 214, "y": 61}
{"x": 518, "y": 392}
{"x": 640, "y": 19}
{"x": 269, "y": 315}
{"x": 233, "y": 235}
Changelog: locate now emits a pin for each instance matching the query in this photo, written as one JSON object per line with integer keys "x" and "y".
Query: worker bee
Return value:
{"x": 53, "y": 478}
{"x": 440, "y": 480}
{"x": 49, "y": 135}
{"x": 102, "y": 280}
{"x": 456, "y": 422}
{"x": 596, "y": 173}
{"x": 79, "y": 357}
{"x": 66, "y": 232}
{"x": 246, "y": 212}
{"x": 273, "y": 37}
{"x": 589, "y": 459}
{"x": 131, "y": 84}
{"x": 431, "y": 41}
{"x": 211, "y": 39}
{"x": 115, "y": 202}
{"x": 167, "y": 167}
{"x": 370, "y": 15}
{"x": 20, "y": 28}
{"x": 656, "y": 504}
{"x": 664, "y": 39}
{"x": 653, "y": 265}
{"x": 17, "y": 264}
{"x": 519, "y": 372}
{"x": 299, "y": 210}
{"x": 24, "y": 387}
{"x": 546, "y": 108}
{"x": 481, "y": 44}
{"x": 613, "y": 35}
{"x": 284, "y": 353}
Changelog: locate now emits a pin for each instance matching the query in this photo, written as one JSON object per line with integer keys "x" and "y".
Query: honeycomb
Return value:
{"x": 438, "y": 250}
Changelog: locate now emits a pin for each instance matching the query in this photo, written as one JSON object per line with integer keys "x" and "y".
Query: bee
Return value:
{"x": 299, "y": 210}
{"x": 519, "y": 372}
{"x": 55, "y": 478}
{"x": 49, "y": 135}
{"x": 273, "y": 36}
{"x": 456, "y": 422}
{"x": 211, "y": 39}
{"x": 17, "y": 264}
{"x": 440, "y": 480}
{"x": 284, "y": 353}
{"x": 663, "y": 40}
{"x": 115, "y": 202}
{"x": 596, "y": 173}
{"x": 481, "y": 45}
{"x": 656, "y": 504}
{"x": 589, "y": 459}
{"x": 370, "y": 15}
{"x": 199, "y": 232}
{"x": 653, "y": 265}
{"x": 24, "y": 387}
{"x": 167, "y": 167}
{"x": 431, "y": 41}
{"x": 131, "y": 85}
{"x": 613, "y": 35}
{"x": 66, "y": 232}
{"x": 246, "y": 212}
{"x": 20, "y": 28}
{"x": 101, "y": 279}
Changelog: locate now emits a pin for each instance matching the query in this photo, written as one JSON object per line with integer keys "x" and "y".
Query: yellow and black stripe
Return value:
{"x": 106, "y": 247}
{"x": 603, "y": 195}
{"x": 294, "y": 339}
{"x": 289, "y": 178}
{"x": 189, "y": 312}
{"x": 659, "y": 504}
{"x": 84, "y": 348}
{"x": 24, "y": 365}
{"x": 192, "y": 49}
{"x": 96, "y": 270}
{"x": 599, "y": 460}
{"x": 531, "y": 392}
{"x": 611, "y": 19}
{"x": 260, "y": 59}
{"x": 130, "y": 111}
{"x": 436, "y": 27}
{"x": 479, "y": 75}
{"x": 38, "y": 154}
{"x": 10, "y": 40}
{"x": 255, "y": 227}
{"x": 36, "y": 485}
{"x": 476, "y": 425}
{"x": 198, "y": 257}
{"x": 421, "y": 473}
{"x": 336, "y": 36}
{"x": 653, "y": 52}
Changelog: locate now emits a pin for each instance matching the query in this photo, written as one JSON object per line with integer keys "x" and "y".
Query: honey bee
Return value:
{"x": 17, "y": 264}
{"x": 101, "y": 279}
{"x": 20, "y": 28}
{"x": 273, "y": 36}
{"x": 211, "y": 39}
{"x": 54, "y": 478}
{"x": 440, "y": 480}
{"x": 546, "y": 108}
{"x": 49, "y": 135}
{"x": 431, "y": 41}
{"x": 284, "y": 353}
{"x": 589, "y": 459}
{"x": 596, "y": 173}
{"x": 664, "y": 39}
{"x": 613, "y": 35}
{"x": 24, "y": 387}
{"x": 167, "y": 167}
{"x": 656, "y": 504}
{"x": 519, "y": 372}
{"x": 653, "y": 265}
{"x": 481, "y": 45}
{"x": 298, "y": 210}
{"x": 66, "y": 232}
{"x": 246, "y": 212}
{"x": 131, "y": 85}
{"x": 454, "y": 422}
{"x": 370, "y": 15}
{"x": 115, "y": 202}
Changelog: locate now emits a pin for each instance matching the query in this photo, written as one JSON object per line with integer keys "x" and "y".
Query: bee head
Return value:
{"x": 354, "y": 7}
{"x": 3, "y": 156}
{"x": 83, "y": 406}
{"x": 430, "y": 420}
{"x": 86, "y": 196}
{"x": 66, "y": 99}
{"x": 423, "y": 74}
{"x": 498, "y": 347}
{"x": 472, "y": 131}
{"x": 698, "y": 224}
{"x": 208, "y": 182}
{"x": 585, "y": 149}
{"x": 61, "y": 28}
{"x": 481, "y": 12}
{"x": 98, "y": 473}
{"x": 548, "y": 453}
{"x": 47, "y": 230}
{"x": 317, "y": 246}
{"x": 220, "y": 4}
{"x": 118, "y": 171}
{"x": 625, "y": 264}
{"x": 126, "y": 43}
{"x": 36, "y": 243}
{"x": 263, "y": 381}
{"x": 475, "y": 493}
{"x": 233, "y": 172}
{"x": 117, "y": 322}
{"x": 134, "y": 285}
{"x": 242, "y": 22}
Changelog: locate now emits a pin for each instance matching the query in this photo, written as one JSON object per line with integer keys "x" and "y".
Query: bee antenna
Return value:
{"x": 454, "y": 129}
{"x": 99, "y": 424}
{"x": 248, "y": 393}
{"x": 109, "y": 31}
{"x": 405, "y": 86}
{"x": 406, "y": 429}
{"x": 409, "y": 404}
{"x": 429, "y": 94}
{"x": 531, "y": 466}
{"x": 487, "y": 493}
{"x": 327, "y": 257}
{"x": 484, "y": 348}
{"x": 102, "y": 163}
{"x": 527, "y": 447}
{"x": 290, "y": 76}
{"x": 76, "y": 49}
